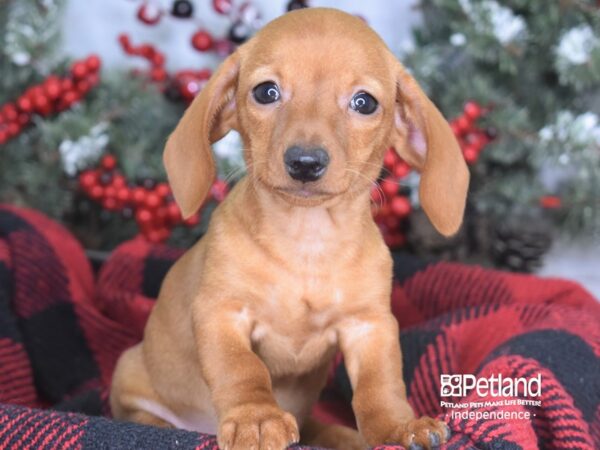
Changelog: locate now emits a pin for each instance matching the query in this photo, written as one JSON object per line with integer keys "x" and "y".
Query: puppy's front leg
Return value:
{"x": 371, "y": 348}
{"x": 240, "y": 384}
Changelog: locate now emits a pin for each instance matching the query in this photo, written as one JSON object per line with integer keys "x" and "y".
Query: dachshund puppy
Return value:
{"x": 292, "y": 267}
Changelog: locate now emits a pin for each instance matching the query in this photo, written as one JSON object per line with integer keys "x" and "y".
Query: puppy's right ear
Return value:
{"x": 188, "y": 156}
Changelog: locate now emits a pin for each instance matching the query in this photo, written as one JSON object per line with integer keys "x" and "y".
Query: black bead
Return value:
{"x": 149, "y": 183}
{"x": 491, "y": 132}
{"x": 105, "y": 178}
{"x": 127, "y": 213}
{"x": 239, "y": 32}
{"x": 182, "y": 9}
{"x": 296, "y": 4}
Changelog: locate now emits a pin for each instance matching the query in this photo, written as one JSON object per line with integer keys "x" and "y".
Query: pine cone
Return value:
{"x": 519, "y": 243}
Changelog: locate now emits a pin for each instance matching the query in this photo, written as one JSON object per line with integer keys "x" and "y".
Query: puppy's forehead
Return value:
{"x": 319, "y": 39}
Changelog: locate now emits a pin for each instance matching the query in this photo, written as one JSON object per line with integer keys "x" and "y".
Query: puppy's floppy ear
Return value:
{"x": 423, "y": 138}
{"x": 188, "y": 156}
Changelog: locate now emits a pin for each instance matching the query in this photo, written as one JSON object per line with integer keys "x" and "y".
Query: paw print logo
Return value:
{"x": 451, "y": 385}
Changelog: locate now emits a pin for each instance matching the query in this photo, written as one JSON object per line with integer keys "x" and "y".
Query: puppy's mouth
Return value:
{"x": 305, "y": 192}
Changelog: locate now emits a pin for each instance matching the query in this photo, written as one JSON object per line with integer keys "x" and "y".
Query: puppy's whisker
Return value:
{"x": 372, "y": 183}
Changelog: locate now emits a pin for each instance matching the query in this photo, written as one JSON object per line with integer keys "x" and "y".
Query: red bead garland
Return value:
{"x": 51, "y": 96}
{"x": 187, "y": 82}
{"x": 154, "y": 209}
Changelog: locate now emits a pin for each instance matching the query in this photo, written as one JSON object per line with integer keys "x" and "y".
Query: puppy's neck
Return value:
{"x": 336, "y": 225}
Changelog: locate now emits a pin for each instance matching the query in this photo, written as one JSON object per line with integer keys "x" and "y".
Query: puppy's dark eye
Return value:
{"x": 266, "y": 92}
{"x": 363, "y": 103}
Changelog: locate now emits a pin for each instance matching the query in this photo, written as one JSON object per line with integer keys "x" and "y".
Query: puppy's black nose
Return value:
{"x": 304, "y": 164}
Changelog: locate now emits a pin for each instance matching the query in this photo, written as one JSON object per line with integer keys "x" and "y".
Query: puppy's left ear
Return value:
{"x": 423, "y": 138}
{"x": 188, "y": 155}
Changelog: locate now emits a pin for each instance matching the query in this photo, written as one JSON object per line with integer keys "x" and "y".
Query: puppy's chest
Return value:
{"x": 296, "y": 332}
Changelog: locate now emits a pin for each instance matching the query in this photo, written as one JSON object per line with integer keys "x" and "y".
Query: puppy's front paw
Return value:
{"x": 257, "y": 427}
{"x": 420, "y": 434}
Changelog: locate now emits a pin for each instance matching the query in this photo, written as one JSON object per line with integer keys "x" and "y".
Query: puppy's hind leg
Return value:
{"x": 132, "y": 397}
{"x": 337, "y": 437}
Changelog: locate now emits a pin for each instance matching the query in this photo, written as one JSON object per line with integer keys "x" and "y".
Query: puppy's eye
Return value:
{"x": 363, "y": 103}
{"x": 266, "y": 92}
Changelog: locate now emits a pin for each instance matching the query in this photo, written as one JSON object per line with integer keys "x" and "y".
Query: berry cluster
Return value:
{"x": 471, "y": 138}
{"x": 391, "y": 202}
{"x": 184, "y": 84}
{"x": 53, "y": 95}
{"x": 151, "y": 204}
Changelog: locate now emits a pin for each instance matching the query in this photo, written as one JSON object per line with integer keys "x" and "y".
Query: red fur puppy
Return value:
{"x": 292, "y": 267}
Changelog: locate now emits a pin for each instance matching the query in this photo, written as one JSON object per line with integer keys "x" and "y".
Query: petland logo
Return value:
{"x": 494, "y": 386}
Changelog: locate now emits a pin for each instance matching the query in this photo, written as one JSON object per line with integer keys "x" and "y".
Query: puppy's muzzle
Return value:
{"x": 305, "y": 164}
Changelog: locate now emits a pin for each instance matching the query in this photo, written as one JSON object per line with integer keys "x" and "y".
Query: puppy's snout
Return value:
{"x": 304, "y": 164}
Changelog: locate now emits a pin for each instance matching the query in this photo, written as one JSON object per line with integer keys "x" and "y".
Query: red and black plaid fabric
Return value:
{"x": 62, "y": 330}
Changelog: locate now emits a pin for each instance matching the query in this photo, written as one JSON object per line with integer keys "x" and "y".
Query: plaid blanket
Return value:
{"x": 62, "y": 330}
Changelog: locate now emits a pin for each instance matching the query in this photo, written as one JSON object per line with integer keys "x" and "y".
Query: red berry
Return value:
{"x": 109, "y": 203}
{"x": 389, "y": 186}
{"x": 79, "y": 70}
{"x": 389, "y": 159}
{"x": 42, "y": 105}
{"x": 110, "y": 192}
{"x": 376, "y": 195}
{"x": 153, "y": 236}
{"x": 163, "y": 189}
{"x": 222, "y": 6}
{"x": 23, "y": 119}
{"x": 202, "y": 41}
{"x": 87, "y": 179}
{"x": 93, "y": 63}
{"x": 158, "y": 74}
{"x": 204, "y": 74}
{"x": 67, "y": 85}
{"x": 25, "y": 104}
{"x": 53, "y": 89}
{"x": 125, "y": 42}
{"x": 174, "y": 213}
{"x": 109, "y": 162}
{"x": 400, "y": 206}
{"x": 10, "y": 112}
{"x": 143, "y": 217}
{"x": 139, "y": 195}
{"x": 472, "y": 110}
{"x": 550, "y": 202}
{"x": 152, "y": 200}
{"x": 392, "y": 222}
{"x": 119, "y": 181}
{"x": 163, "y": 234}
{"x": 158, "y": 59}
{"x": 93, "y": 79}
{"x": 149, "y": 14}
{"x": 123, "y": 194}
{"x": 471, "y": 154}
{"x": 69, "y": 98}
{"x": 13, "y": 129}
{"x": 96, "y": 192}
{"x": 463, "y": 124}
{"x": 83, "y": 86}
{"x": 402, "y": 169}
{"x": 395, "y": 240}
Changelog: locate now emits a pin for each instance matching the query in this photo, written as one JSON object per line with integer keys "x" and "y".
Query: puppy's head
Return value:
{"x": 317, "y": 98}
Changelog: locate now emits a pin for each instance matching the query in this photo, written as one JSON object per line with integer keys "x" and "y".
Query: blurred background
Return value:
{"x": 89, "y": 90}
